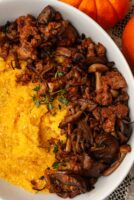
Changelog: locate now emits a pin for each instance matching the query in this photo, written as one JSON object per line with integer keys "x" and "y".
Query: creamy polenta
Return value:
{"x": 24, "y": 130}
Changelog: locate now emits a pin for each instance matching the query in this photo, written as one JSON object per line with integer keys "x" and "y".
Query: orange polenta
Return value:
{"x": 24, "y": 130}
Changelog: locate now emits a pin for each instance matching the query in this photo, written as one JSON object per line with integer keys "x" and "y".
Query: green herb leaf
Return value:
{"x": 59, "y": 74}
{"x": 56, "y": 165}
{"x": 34, "y": 98}
{"x": 37, "y": 103}
{"x": 56, "y": 148}
{"x": 37, "y": 88}
{"x": 62, "y": 91}
{"x": 47, "y": 100}
{"x": 50, "y": 106}
{"x": 63, "y": 100}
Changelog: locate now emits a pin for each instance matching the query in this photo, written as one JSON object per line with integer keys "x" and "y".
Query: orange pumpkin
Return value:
{"x": 106, "y": 12}
{"x": 128, "y": 43}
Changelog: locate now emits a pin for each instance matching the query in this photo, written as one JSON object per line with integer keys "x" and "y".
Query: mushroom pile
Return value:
{"x": 72, "y": 68}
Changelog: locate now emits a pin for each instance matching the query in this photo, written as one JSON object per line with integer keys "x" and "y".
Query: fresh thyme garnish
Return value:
{"x": 63, "y": 100}
{"x": 48, "y": 98}
{"x": 61, "y": 91}
{"x": 56, "y": 165}
{"x": 36, "y": 101}
{"x": 37, "y": 88}
{"x": 50, "y": 106}
{"x": 56, "y": 148}
{"x": 59, "y": 74}
{"x": 34, "y": 98}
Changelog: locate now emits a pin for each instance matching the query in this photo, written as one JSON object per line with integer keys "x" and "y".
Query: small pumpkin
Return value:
{"x": 106, "y": 12}
{"x": 128, "y": 43}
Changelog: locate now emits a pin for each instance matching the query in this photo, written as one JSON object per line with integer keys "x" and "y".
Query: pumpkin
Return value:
{"x": 128, "y": 43}
{"x": 106, "y": 12}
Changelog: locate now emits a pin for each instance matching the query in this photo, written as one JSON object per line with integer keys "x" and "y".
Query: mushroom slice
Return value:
{"x": 106, "y": 149}
{"x": 124, "y": 149}
{"x": 97, "y": 68}
{"x": 69, "y": 36}
{"x": 98, "y": 81}
{"x": 91, "y": 104}
{"x": 68, "y": 145}
{"x": 47, "y": 15}
{"x": 114, "y": 93}
{"x": 74, "y": 117}
{"x": 67, "y": 185}
{"x": 62, "y": 51}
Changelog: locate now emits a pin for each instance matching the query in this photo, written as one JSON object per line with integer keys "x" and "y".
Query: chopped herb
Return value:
{"x": 34, "y": 98}
{"x": 63, "y": 100}
{"x": 44, "y": 100}
{"x": 62, "y": 91}
{"x": 47, "y": 99}
{"x": 56, "y": 148}
{"x": 37, "y": 103}
{"x": 59, "y": 74}
{"x": 56, "y": 165}
{"x": 37, "y": 88}
{"x": 50, "y": 106}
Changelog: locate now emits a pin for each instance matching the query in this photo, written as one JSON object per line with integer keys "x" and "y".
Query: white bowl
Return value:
{"x": 9, "y": 10}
